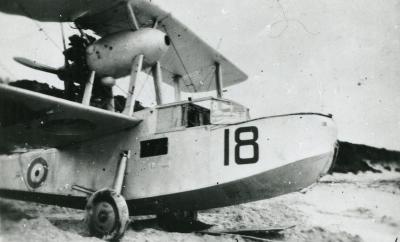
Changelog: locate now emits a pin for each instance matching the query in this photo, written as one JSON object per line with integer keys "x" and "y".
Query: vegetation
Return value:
{"x": 361, "y": 158}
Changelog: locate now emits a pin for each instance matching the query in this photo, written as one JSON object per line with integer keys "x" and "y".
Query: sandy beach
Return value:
{"x": 341, "y": 207}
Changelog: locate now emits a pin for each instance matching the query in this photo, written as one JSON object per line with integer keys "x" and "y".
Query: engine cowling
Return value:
{"x": 113, "y": 55}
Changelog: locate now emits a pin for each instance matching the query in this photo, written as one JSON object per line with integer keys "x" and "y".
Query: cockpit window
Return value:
{"x": 196, "y": 115}
{"x": 200, "y": 112}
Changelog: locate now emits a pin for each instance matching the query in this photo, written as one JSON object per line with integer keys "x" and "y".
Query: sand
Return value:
{"x": 341, "y": 207}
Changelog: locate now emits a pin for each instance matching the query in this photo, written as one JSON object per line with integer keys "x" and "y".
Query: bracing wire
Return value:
{"x": 144, "y": 84}
{"x": 181, "y": 60}
{"x": 40, "y": 29}
{"x": 121, "y": 89}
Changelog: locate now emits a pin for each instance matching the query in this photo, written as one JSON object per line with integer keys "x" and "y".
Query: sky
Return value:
{"x": 338, "y": 56}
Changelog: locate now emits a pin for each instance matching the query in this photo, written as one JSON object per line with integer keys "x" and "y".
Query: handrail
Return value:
{"x": 200, "y": 100}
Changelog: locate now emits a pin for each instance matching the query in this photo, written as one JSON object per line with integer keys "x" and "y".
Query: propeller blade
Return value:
{"x": 68, "y": 86}
{"x": 66, "y": 63}
{"x": 63, "y": 36}
{"x": 37, "y": 66}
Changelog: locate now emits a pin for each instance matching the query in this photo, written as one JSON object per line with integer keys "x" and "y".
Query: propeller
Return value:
{"x": 60, "y": 72}
{"x": 41, "y": 67}
{"x": 63, "y": 73}
{"x": 76, "y": 72}
{"x": 66, "y": 63}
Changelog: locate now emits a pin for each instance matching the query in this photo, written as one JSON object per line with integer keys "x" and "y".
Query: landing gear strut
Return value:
{"x": 107, "y": 214}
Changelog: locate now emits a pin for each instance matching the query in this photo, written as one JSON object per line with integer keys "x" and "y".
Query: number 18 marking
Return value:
{"x": 242, "y": 142}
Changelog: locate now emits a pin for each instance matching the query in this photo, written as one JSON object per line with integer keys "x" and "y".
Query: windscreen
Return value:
{"x": 225, "y": 112}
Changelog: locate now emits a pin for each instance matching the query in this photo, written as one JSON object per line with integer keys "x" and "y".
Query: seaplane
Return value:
{"x": 171, "y": 160}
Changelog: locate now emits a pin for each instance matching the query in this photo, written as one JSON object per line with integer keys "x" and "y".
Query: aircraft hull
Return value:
{"x": 205, "y": 167}
{"x": 265, "y": 185}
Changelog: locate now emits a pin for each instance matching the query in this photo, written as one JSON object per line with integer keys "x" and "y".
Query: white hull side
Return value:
{"x": 298, "y": 147}
{"x": 196, "y": 156}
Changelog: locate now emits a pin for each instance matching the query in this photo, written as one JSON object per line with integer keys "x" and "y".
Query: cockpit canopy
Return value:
{"x": 200, "y": 112}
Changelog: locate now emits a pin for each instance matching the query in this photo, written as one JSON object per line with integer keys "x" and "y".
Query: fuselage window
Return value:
{"x": 154, "y": 147}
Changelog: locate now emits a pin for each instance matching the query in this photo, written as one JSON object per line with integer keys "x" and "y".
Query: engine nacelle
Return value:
{"x": 113, "y": 55}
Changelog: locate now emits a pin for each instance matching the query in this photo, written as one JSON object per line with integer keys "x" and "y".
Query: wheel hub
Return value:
{"x": 104, "y": 215}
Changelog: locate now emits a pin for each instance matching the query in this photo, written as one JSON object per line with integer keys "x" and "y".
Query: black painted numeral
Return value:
{"x": 226, "y": 148}
{"x": 248, "y": 142}
{"x": 240, "y": 143}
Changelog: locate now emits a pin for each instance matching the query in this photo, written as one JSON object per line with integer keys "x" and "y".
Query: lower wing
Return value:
{"x": 33, "y": 120}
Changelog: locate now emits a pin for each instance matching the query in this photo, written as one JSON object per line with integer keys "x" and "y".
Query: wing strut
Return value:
{"x": 88, "y": 89}
{"x": 176, "y": 80}
{"x": 157, "y": 77}
{"x": 132, "y": 95}
{"x": 218, "y": 79}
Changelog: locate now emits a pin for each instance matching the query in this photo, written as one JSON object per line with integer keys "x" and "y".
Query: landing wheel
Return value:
{"x": 107, "y": 215}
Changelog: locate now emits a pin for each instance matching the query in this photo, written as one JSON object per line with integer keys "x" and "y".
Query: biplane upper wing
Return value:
{"x": 188, "y": 57}
{"x": 33, "y": 120}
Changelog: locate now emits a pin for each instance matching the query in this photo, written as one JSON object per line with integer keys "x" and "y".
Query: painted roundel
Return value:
{"x": 37, "y": 172}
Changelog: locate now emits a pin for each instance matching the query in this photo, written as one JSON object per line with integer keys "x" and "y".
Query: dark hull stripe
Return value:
{"x": 272, "y": 183}
{"x": 45, "y": 198}
{"x": 275, "y": 182}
